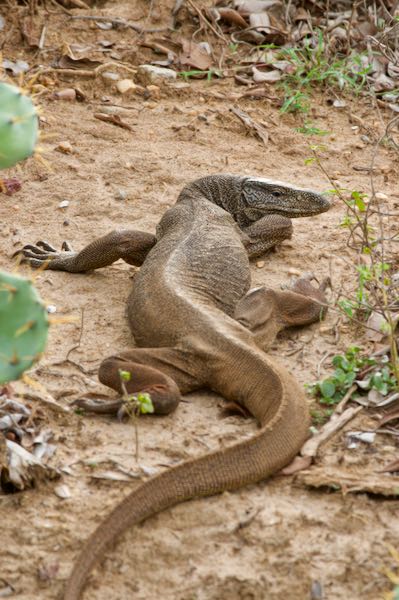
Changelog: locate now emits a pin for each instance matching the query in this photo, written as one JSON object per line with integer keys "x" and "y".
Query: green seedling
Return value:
{"x": 23, "y": 326}
{"x": 135, "y": 404}
{"x": 368, "y": 373}
{"x": 18, "y": 126}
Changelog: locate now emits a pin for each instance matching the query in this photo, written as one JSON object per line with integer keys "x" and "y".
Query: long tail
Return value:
{"x": 272, "y": 396}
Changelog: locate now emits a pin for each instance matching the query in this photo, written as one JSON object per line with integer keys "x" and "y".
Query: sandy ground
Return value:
{"x": 276, "y": 540}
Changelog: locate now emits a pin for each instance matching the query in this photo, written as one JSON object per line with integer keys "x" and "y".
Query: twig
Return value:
{"x": 205, "y": 21}
{"x": 336, "y": 423}
{"x": 345, "y": 399}
{"x": 80, "y": 336}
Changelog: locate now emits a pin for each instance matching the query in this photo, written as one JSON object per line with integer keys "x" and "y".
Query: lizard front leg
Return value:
{"x": 266, "y": 233}
{"x": 130, "y": 245}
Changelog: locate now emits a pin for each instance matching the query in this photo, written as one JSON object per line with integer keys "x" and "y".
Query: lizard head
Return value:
{"x": 260, "y": 197}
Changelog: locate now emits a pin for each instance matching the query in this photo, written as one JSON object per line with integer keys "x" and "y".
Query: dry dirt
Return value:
{"x": 274, "y": 540}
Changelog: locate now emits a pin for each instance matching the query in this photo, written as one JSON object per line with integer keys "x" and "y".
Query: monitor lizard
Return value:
{"x": 196, "y": 325}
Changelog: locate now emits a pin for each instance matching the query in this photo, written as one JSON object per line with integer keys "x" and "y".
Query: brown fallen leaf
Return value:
{"x": 232, "y": 16}
{"x": 10, "y": 185}
{"x": 391, "y": 467}
{"x": 251, "y": 125}
{"x": 194, "y": 55}
{"x": 31, "y": 31}
{"x": 391, "y": 416}
{"x": 114, "y": 119}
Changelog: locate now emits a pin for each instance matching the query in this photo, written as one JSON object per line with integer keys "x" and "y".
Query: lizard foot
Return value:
{"x": 42, "y": 254}
{"x": 162, "y": 400}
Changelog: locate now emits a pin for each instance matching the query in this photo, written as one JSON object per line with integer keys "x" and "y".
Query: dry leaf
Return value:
{"x": 391, "y": 467}
{"x": 251, "y": 125}
{"x": 391, "y": 416}
{"x": 255, "y": 6}
{"x": 20, "y": 469}
{"x": 194, "y": 55}
{"x": 261, "y": 21}
{"x": 31, "y": 31}
{"x": 232, "y": 16}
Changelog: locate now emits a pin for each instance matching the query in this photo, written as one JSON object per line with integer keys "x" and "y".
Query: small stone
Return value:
{"x": 51, "y": 309}
{"x": 125, "y": 86}
{"x": 110, "y": 110}
{"x": 66, "y": 94}
{"x": 110, "y": 76}
{"x": 65, "y": 148}
{"x": 149, "y": 74}
{"x": 155, "y": 91}
{"x": 293, "y": 271}
{"x": 260, "y": 264}
{"x": 381, "y": 196}
{"x": 63, "y": 204}
{"x": 120, "y": 194}
{"x": 325, "y": 329}
{"x": 62, "y": 491}
{"x": 66, "y": 223}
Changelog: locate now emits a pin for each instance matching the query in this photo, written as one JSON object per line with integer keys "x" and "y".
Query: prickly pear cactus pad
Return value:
{"x": 18, "y": 126}
{"x": 23, "y": 326}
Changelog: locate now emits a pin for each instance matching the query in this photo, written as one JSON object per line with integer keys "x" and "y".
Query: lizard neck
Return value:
{"x": 224, "y": 191}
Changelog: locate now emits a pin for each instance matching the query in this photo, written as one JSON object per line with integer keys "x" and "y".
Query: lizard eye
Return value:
{"x": 276, "y": 194}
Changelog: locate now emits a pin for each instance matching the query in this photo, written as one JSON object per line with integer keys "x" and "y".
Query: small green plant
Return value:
{"x": 135, "y": 404}
{"x": 309, "y": 129}
{"x": 18, "y": 126}
{"x": 23, "y": 326}
{"x": 353, "y": 367}
{"x": 313, "y": 66}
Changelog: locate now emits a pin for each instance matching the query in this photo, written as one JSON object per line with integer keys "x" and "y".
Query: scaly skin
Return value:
{"x": 196, "y": 326}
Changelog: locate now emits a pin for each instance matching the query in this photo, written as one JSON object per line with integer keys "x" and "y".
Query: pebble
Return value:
{"x": 381, "y": 196}
{"x": 62, "y": 491}
{"x": 66, "y": 94}
{"x": 260, "y": 264}
{"x": 154, "y": 91}
{"x": 293, "y": 271}
{"x": 110, "y": 77}
{"x": 125, "y": 86}
{"x": 149, "y": 74}
{"x": 120, "y": 194}
{"x": 65, "y": 147}
{"x": 325, "y": 329}
{"x": 63, "y": 204}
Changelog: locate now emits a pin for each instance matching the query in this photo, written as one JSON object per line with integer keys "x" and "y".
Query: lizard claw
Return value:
{"x": 45, "y": 246}
{"x": 42, "y": 254}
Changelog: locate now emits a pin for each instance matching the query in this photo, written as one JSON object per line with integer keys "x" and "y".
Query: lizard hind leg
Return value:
{"x": 265, "y": 312}
{"x": 163, "y": 390}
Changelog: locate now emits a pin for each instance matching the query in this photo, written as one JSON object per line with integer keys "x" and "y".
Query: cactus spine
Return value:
{"x": 23, "y": 326}
{"x": 18, "y": 126}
